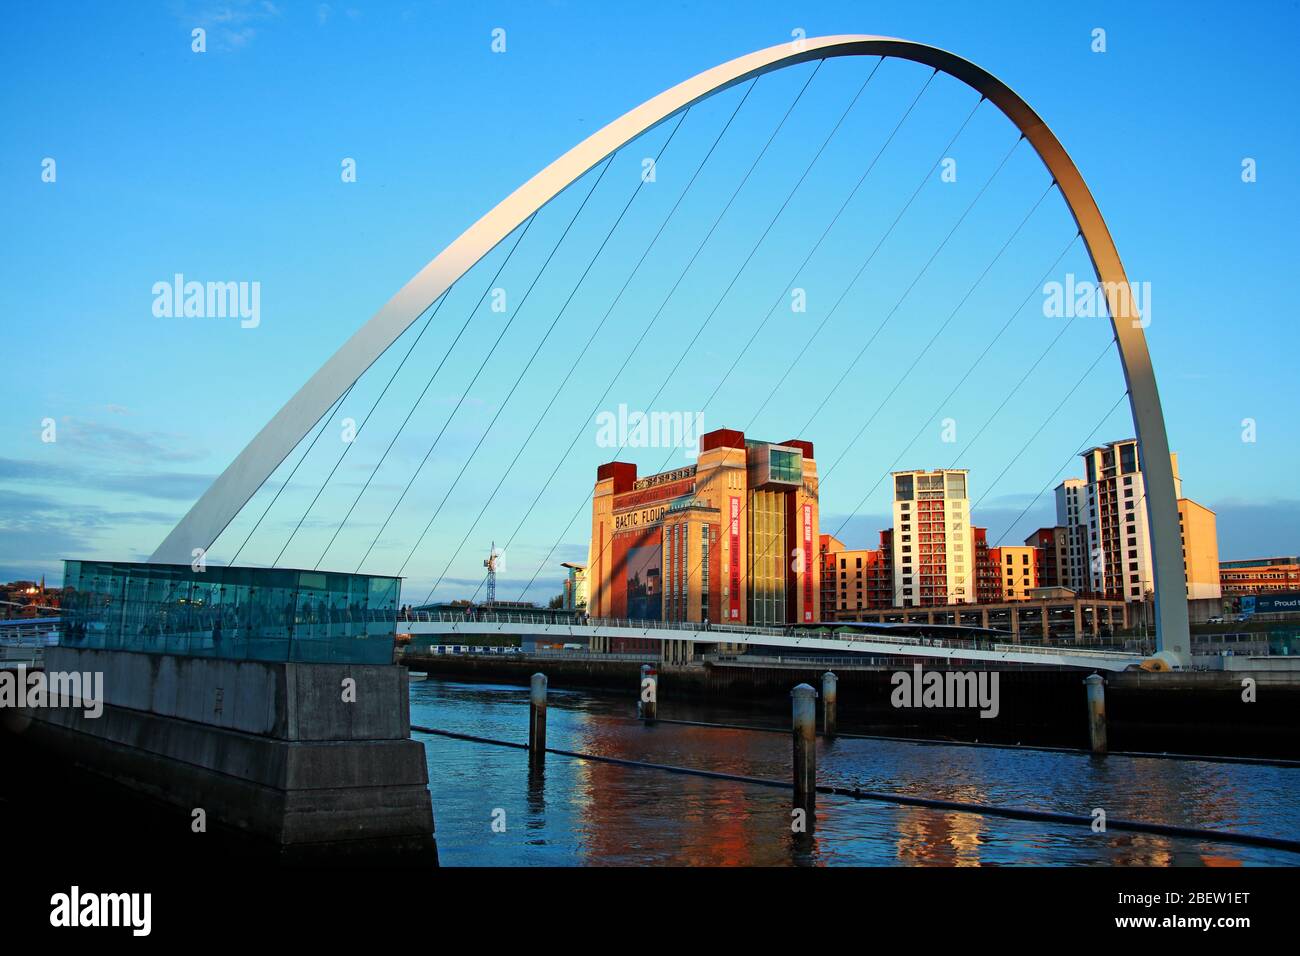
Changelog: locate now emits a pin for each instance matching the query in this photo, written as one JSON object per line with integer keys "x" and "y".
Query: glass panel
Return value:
{"x": 785, "y": 466}
{"x": 266, "y": 614}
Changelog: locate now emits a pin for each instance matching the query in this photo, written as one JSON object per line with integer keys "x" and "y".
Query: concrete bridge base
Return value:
{"x": 308, "y": 761}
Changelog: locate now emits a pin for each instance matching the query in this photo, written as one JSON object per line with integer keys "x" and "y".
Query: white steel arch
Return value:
{"x": 255, "y": 464}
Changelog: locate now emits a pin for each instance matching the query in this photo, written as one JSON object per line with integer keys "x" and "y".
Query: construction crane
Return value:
{"x": 491, "y": 564}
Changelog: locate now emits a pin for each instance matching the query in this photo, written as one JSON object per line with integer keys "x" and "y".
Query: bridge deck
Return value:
{"x": 794, "y": 638}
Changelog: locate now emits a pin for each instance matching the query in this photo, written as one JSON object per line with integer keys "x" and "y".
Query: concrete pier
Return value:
{"x": 649, "y": 699}
{"x": 307, "y": 759}
{"x": 537, "y": 723}
{"x": 830, "y": 704}
{"x": 804, "y": 712}
{"x": 1096, "y": 693}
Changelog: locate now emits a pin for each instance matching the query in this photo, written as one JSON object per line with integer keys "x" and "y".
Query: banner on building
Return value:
{"x": 733, "y": 610}
{"x": 806, "y": 564}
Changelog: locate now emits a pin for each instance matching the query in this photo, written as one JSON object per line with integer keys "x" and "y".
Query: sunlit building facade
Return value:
{"x": 1199, "y": 528}
{"x": 1260, "y": 575}
{"x": 1107, "y": 511}
{"x": 1070, "y": 497}
{"x": 934, "y": 551}
{"x": 988, "y": 579}
{"x": 1053, "y": 558}
{"x": 856, "y": 579}
{"x": 733, "y": 538}
{"x": 1017, "y": 570}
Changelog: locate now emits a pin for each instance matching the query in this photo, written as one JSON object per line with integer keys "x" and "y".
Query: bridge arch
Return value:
{"x": 255, "y": 464}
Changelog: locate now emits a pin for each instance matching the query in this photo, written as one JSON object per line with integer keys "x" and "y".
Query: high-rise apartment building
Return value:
{"x": 1053, "y": 559}
{"x": 934, "y": 551}
{"x": 1070, "y": 497}
{"x": 988, "y": 581}
{"x": 1105, "y": 515}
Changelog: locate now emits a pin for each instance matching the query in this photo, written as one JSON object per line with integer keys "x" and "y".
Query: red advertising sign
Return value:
{"x": 733, "y": 611}
{"x": 806, "y": 564}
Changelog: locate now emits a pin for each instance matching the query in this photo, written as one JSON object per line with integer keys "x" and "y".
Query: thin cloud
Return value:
{"x": 230, "y": 26}
{"x": 168, "y": 485}
{"x": 124, "y": 444}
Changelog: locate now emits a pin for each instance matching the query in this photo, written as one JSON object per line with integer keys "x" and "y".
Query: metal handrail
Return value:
{"x": 594, "y": 625}
{"x": 560, "y": 619}
{"x": 1072, "y": 651}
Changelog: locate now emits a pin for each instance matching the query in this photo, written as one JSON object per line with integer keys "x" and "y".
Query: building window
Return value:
{"x": 767, "y": 557}
{"x": 704, "y": 566}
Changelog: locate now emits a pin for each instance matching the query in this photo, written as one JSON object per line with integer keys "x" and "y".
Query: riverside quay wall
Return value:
{"x": 1188, "y": 713}
{"x": 304, "y": 761}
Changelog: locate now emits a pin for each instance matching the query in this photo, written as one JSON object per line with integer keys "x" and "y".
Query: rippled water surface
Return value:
{"x": 590, "y": 813}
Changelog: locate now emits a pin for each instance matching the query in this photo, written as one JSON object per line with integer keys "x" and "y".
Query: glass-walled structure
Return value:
{"x": 262, "y": 614}
{"x": 767, "y": 557}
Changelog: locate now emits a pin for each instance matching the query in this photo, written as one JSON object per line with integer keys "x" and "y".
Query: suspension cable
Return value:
{"x": 952, "y": 231}
{"x": 863, "y": 268}
{"x": 559, "y": 313}
{"x": 583, "y": 427}
{"x": 960, "y": 382}
{"x": 482, "y": 365}
{"x": 693, "y": 258}
{"x": 324, "y": 423}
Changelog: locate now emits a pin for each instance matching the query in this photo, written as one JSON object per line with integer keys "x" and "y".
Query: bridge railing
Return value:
{"x": 1071, "y": 651}
{"x": 857, "y": 660}
{"x": 594, "y": 626}
{"x": 563, "y": 619}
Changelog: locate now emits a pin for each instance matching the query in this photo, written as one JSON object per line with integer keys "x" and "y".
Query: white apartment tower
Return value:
{"x": 1107, "y": 513}
{"x": 1070, "y": 497}
{"x": 934, "y": 553}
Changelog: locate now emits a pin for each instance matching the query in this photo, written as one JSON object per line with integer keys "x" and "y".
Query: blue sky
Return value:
{"x": 225, "y": 166}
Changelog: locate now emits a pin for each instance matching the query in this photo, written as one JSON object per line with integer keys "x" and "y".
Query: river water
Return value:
{"x": 489, "y": 813}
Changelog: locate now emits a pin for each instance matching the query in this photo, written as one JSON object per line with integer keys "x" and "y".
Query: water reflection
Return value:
{"x": 582, "y": 812}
